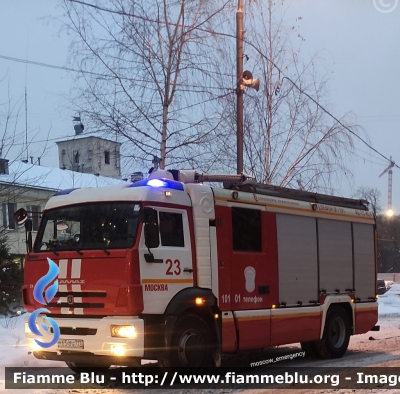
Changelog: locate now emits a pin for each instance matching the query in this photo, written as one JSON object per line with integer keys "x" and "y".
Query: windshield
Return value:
{"x": 95, "y": 226}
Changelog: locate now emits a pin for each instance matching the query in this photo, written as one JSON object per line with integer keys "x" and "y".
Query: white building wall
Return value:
{"x": 91, "y": 155}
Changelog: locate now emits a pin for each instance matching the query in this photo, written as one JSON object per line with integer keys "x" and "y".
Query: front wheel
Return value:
{"x": 191, "y": 343}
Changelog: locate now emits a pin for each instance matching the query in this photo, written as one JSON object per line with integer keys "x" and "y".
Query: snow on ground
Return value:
{"x": 15, "y": 353}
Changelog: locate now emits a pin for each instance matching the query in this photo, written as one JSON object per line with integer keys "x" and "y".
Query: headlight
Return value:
{"x": 123, "y": 331}
{"x": 33, "y": 346}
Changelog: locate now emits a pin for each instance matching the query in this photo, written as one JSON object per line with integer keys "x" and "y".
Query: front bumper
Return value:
{"x": 88, "y": 336}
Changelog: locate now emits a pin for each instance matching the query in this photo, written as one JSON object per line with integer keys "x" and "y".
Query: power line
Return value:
{"x": 271, "y": 62}
{"x": 305, "y": 93}
{"x": 53, "y": 139}
{"x": 41, "y": 64}
{"x": 14, "y": 59}
{"x": 334, "y": 117}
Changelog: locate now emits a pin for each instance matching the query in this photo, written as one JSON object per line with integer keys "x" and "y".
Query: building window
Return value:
{"x": 171, "y": 229}
{"x": 8, "y": 215}
{"x": 3, "y": 166}
{"x": 34, "y": 214}
{"x": 107, "y": 156}
{"x": 246, "y": 230}
{"x": 75, "y": 156}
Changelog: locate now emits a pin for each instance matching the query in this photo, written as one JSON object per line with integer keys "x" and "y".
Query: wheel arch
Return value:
{"x": 342, "y": 301}
{"x": 184, "y": 303}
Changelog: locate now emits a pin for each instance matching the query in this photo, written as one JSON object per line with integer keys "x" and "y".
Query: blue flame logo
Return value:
{"x": 49, "y": 293}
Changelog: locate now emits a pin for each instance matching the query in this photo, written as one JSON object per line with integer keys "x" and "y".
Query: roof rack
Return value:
{"x": 191, "y": 176}
{"x": 302, "y": 195}
{"x": 246, "y": 183}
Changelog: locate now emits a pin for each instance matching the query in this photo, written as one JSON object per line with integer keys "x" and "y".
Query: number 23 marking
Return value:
{"x": 174, "y": 268}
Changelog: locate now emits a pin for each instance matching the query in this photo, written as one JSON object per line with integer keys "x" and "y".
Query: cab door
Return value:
{"x": 168, "y": 268}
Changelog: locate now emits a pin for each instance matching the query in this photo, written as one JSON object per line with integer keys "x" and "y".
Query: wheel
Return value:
{"x": 83, "y": 367}
{"x": 191, "y": 344}
{"x": 310, "y": 348}
{"x": 336, "y": 336}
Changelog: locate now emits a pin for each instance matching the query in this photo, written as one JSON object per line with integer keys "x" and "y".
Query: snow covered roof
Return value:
{"x": 86, "y": 136}
{"x": 51, "y": 178}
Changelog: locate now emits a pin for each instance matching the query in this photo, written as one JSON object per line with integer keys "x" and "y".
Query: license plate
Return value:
{"x": 70, "y": 343}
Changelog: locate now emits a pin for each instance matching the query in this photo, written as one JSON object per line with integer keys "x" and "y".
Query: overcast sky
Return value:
{"x": 358, "y": 45}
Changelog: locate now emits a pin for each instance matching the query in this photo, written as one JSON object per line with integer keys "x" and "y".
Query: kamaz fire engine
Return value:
{"x": 172, "y": 269}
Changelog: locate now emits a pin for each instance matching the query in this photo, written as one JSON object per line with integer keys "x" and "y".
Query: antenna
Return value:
{"x": 26, "y": 126}
{"x": 26, "y": 103}
{"x": 389, "y": 170}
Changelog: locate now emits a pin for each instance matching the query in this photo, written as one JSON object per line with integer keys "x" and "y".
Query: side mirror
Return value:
{"x": 148, "y": 215}
{"x": 29, "y": 241}
{"x": 151, "y": 238}
{"x": 20, "y": 216}
{"x": 28, "y": 225}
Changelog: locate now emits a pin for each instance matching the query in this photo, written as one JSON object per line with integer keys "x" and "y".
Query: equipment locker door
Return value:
{"x": 247, "y": 272}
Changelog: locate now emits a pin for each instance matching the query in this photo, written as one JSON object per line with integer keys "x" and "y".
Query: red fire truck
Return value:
{"x": 172, "y": 269}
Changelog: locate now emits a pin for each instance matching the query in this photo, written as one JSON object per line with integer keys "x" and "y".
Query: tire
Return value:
{"x": 191, "y": 344}
{"x": 82, "y": 367}
{"x": 310, "y": 348}
{"x": 336, "y": 336}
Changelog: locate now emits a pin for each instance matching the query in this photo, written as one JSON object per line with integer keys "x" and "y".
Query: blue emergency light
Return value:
{"x": 159, "y": 183}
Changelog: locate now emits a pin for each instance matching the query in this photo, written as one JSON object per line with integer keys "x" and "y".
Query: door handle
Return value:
{"x": 150, "y": 259}
{"x": 190, "y": 270}
{"x": 263, "y": 289}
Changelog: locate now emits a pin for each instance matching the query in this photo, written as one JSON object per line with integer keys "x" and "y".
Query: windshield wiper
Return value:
{"x": 106, "y": 251}
{"x": 74, "y": 247}
{"x": 50, "y": 247}
{"x": 71, "y": 246}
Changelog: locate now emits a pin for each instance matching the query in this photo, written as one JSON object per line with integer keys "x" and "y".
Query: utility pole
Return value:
{"x": 240, "y": 87}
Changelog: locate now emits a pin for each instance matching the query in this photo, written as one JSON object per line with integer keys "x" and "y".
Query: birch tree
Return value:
{"x": 161, "y": 76}
{"x": 144, "y": 71}
{"x": 289, "y": 139}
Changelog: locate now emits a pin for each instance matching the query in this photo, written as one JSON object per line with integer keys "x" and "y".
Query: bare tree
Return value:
{"x": 388, "y": 229}
{"x": 15, "y": 144}
{"x": 289, "y": 139}
{"x": 161, "y": 76}
{"x": 372, "y": 195}
{"x": 10, "y": 132}
{"x": 17, "y": 179}
{"x": 144, "y": 69}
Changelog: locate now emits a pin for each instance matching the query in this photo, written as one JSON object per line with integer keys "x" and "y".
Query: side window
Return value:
{"x": 246, "y": 230}
{"x": 171, "y": 229}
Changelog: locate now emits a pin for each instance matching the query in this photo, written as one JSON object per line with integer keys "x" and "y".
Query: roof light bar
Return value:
{"x": 159, "y": 183}
{"x": 156, "y": 183}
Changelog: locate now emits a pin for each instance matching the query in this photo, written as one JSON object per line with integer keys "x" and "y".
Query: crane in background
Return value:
{"x": 389, "y": 170}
